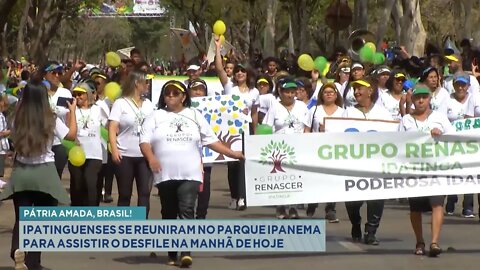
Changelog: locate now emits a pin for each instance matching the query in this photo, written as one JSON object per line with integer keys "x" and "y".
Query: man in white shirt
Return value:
{"x": 454, "y": 66}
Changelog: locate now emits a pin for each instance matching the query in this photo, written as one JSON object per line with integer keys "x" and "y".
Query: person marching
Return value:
{"x": 329, "y": 104}
{"x": 83, "y": 180}
{"x": 367, "y": 107}
{"x": 286, "y": 117}
{"x": 425, "y": 119}
{"x": 34, "y": 179}
{"x": 171, "y": 141}
{"x": 125, "y": 121}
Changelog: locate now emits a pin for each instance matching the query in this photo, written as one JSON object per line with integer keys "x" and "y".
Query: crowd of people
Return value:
{"x": 158, "y": 143}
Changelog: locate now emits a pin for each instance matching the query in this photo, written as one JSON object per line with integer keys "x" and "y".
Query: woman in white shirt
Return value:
{"x": 171, "y": 140}
{"x": 125, "y": 121}
{"x": 265, "y": 88}
{"x": 427, "y": 120}
{"x": 241, "y": 84}
{"x": 366, "y": 95}
{"x": 83, "y": 179}
{"x": 357, "y": 72}
{"x": 34, "y": 180}
{"x": 457, "y": 109}
{"x": 391, "y": 98}
{"x": 286, "y": 117}
{"x": 440, "y": 96}
{"x": 329, "y": 104}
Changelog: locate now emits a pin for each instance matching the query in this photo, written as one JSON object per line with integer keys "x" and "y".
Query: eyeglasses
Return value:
{"x": 169, "y": 92}
{"x": 327, "y": 93}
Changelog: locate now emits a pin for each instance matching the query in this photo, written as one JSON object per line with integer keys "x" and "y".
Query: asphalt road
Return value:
{"x": 460, "y": 240}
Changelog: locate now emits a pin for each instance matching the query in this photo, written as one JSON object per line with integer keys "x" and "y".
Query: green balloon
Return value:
{"x": 320, "y": 63}
{"x": 366, "y": 54}
{"x": 68, "y": 145}
{"x": 264, "y": 130}
{"x": 104, "y": 133}
{"x": 378, "y": 58}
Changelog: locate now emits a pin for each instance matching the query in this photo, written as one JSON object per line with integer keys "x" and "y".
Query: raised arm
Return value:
{"x": 222, "y": 75}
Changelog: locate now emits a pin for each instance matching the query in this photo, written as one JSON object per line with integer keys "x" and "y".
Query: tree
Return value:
{"x": 360, "y": 14}
{"x": 6, "y": 6}
{"x": 278, "y": 154}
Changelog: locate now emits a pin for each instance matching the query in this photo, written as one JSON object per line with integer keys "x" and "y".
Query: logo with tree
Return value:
{"x": 178, "y": 123}
{"x": 277, "y": 154}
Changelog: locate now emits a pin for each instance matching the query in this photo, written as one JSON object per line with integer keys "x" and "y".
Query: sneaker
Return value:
{"x": 449, "y": 213}
{"x": 186, "y": 261}
{"x": 468, "y": 214}
{"x": 172, "y": 262}
{"x": 293, "y": 213}
{"x": 241, "y": 204}
{"x": 107, "y": 199}
{"x": 233, "y": 204}
{"x": 19, "y": 257}
{"x": 370, "y": 239}
{"x": 331, "y": 216}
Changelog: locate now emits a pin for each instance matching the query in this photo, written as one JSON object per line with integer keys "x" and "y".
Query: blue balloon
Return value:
{"x": 408, "y": 84}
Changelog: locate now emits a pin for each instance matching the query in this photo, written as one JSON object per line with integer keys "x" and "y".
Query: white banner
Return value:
{"x": 335, "y": 167}
{"x": 337, "y": 124}
{"x": 466, "y": 124}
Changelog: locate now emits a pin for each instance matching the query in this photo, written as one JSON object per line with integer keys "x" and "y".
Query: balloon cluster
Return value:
{"x": 76, "y": 155}
{"x": 307, "y": 63}
{"x": 219, "y": 29}
{"x": 368, "y": 54}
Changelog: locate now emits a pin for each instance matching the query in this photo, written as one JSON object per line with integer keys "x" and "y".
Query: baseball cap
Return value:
{"x": 357, "y": 65}
{"x": 175, "y": 84}
{"x": 454, "y": 57}
{"x": 421, "y": 90}
{"x": 196, "y": 83}
{"x": 289, "y": 85}
{"x": 461, "y": 77}
{"x": 52, "y": 67}
{"x": 83, "y": 87}
{"x": 263, "y": 80}
{"x": 361, "y": 82}
{"x": 345, "y": 69}
{"x": 400, "y": 75}
{"x": 193, "y": 67}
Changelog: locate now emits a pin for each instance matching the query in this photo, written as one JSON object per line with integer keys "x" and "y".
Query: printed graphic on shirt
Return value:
{"x": 180, "y": 133}
{"x": 291, "y": 120}
{"x": 178, "y": 123}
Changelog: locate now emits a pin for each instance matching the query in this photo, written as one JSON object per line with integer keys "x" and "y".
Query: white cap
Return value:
{"x": 193, "y": 67}
{"x": 383, "y": 70}
{"x": 357, "y": 65}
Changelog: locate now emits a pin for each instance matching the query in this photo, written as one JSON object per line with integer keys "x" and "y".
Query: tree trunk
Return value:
{"x": 382, "y": 28}
{"x": 360, "y": 15}
{"x": 397, "y": 14}
{"x": 269, "y": 38}
{"x": 21, "y": 30}
{"x": 467, "y": 26}
{"x": 413, "y": 34}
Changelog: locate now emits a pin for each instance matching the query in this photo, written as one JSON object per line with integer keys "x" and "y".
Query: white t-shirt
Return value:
{"x": 130, "y": 119}
{"x": 350, "y": 99}
{"x": 439, "y": 101}
{"x": 60, "y": 131}
{"x": 376, "y": 113}
{"x": 227, "y": 88}
{"x": 265, "y": 102}
{"x": 284, "y": 121}
{"x": 89, "y": 122}
{"x": 251, "y": 98}
{"x": 177, "y": 140}
{"x": 104, "y": 105}
{"x": 434, "y": 120}
{"x": 341, "y": 87}
{"x": 473, "y": 106}
{"x": 61, "y": 112}
{"x": 457, "y": 110}
{"x": 473, "y": 89}
{"x": 316, "y": 114}
{"x": 391, "y": 104}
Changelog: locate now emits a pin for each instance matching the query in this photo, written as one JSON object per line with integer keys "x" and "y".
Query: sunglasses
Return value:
{"x": 77, "y": 94}
{"x": 243, "y": 70}
{"x": 57, "y": 73}
{"x": 170, "y": 92}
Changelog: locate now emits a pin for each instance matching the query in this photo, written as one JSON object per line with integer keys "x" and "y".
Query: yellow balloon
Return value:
{"x": 325, "y": 71}
{"x": 112, "y": 91}
{"x": 371, "y": 45}
{"x": 305, "y": 62}
{"x": 222, "y": 39}
{"x": 113, "y": 59}
{"x": 76, "y": 156}
{"x": 219, "y": 28}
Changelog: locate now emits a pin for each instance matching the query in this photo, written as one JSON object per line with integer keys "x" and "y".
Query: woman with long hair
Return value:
{"x": 34, "y": 179}
{"x": 83, "y": 180}
{"x": 357, "y": 72}
{"x": 392, "y": 97}
{"x": 366, "y": 95}
{"x": 329, "y": 104}
{"x": 425, "y": 119}
{"x": 242, "y": 84}
{"x": 125, "y": 121}
{"x": 171, "y": 141}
